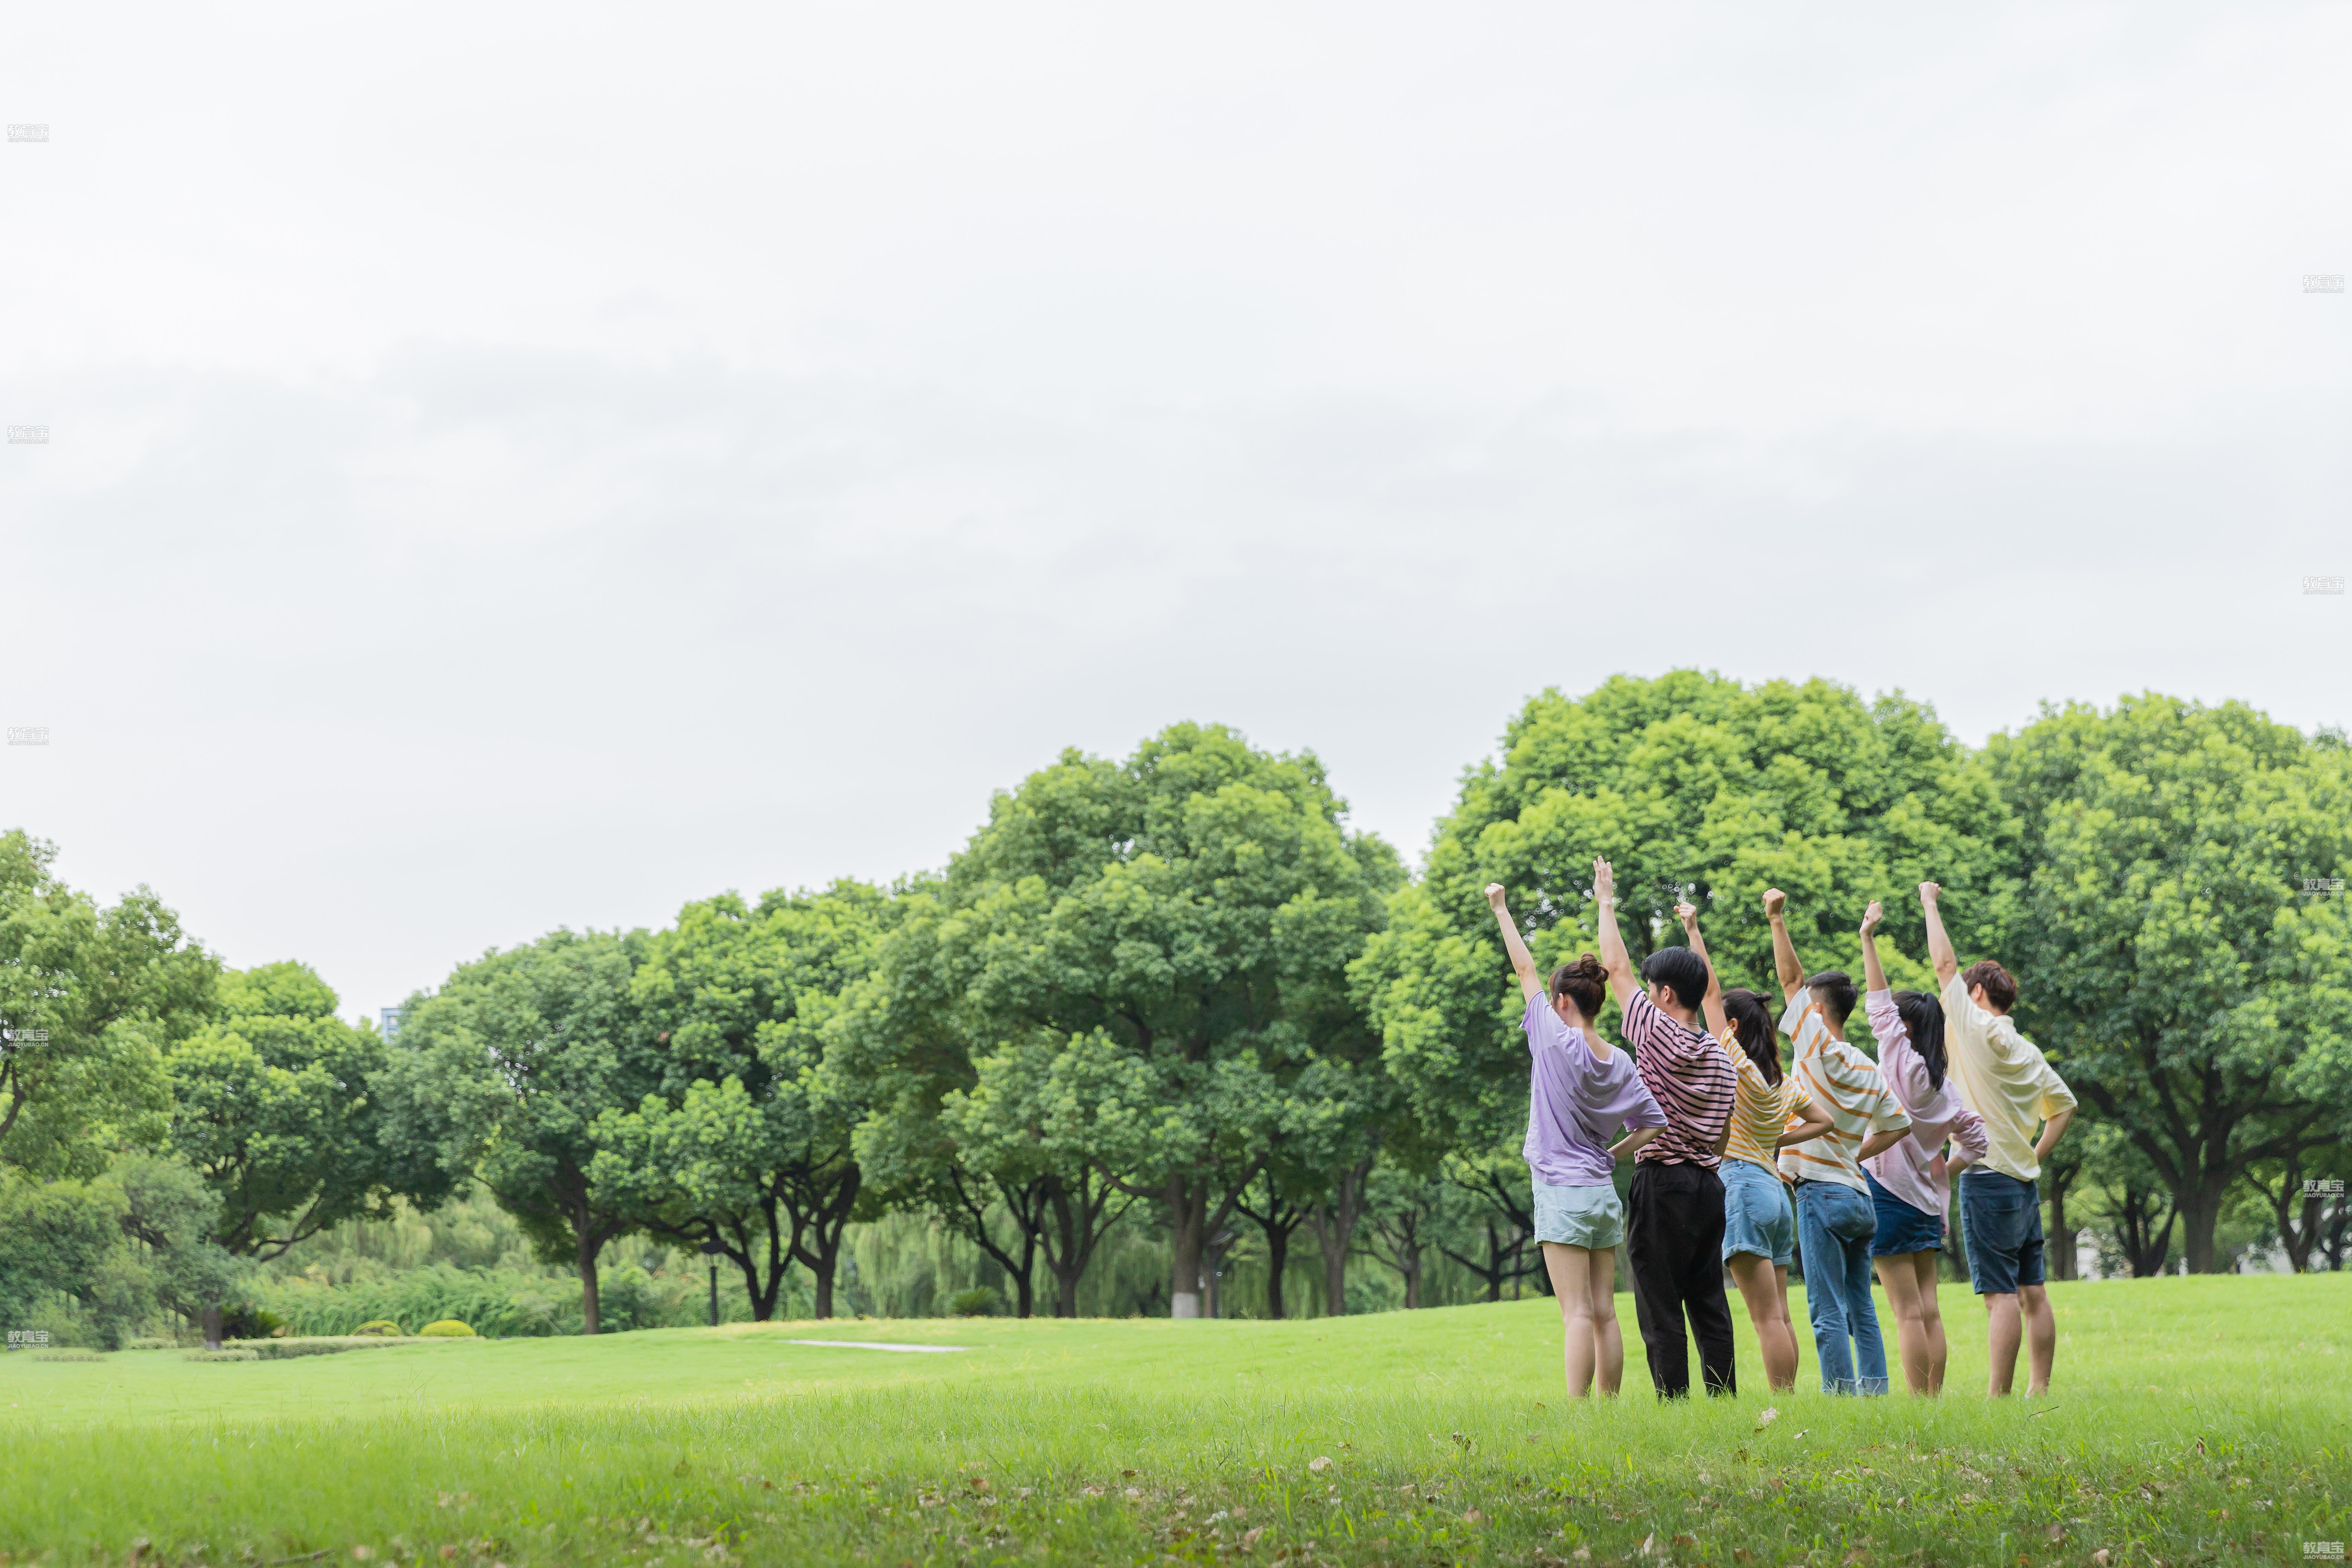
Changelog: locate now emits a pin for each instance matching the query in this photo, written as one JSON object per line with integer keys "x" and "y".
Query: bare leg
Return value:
{"x": 2042, "y": 1336}
{"x": 1608, "y": 1343}
{"x": 2003, "y": 1313}
{"x": 1901, "y": 1282}
{"x": 1571, "y": 1269}
{"x": 1931, "y": 1314}
{"x": 1768, "y": 1311}
{"x": 1781, "y": 1294}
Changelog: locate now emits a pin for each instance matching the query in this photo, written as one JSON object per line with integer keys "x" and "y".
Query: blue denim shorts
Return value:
{"x": 1902, "y": 1227}
{"x": 1757, "y": 1218}
{"x": 1590, "y": 1217}
{"x": 2000, "y": 1219}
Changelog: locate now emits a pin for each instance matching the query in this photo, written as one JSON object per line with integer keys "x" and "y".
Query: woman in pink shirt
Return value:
{"x": 1909, "y": 1183}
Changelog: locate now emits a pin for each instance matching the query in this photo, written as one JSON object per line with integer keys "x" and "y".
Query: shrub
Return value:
{"x": 151, "y": 1343}
{"x": 249, "y": 1322}
{"x": 384, "y": 1326}
{"x": 67, "y": 1355}
{"x": 446, "y": 1329}
{"x": 977, "y": 1303}
{"x": 220, "y": 1355}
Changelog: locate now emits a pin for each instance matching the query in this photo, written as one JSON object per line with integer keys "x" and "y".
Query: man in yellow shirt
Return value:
{"x": 2025, "y": 1106}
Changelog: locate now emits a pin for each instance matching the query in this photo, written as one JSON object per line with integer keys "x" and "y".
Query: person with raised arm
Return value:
{"x": 2026, "y": 1107}
{"x": 1909, "y": 1182}
{"x": 1581, "y": 1089}
{"x": 1835, "y": 1219}
{"x": 1769, "y": 1112}
{"x": 1674, "y": 1211}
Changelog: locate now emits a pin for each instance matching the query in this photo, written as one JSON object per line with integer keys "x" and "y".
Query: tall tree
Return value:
{"x": 2171, "y": 957}
{"x": 90, "y": 1000}
{"x": 1181, "y": 923}
{"x": 1697, "y": 787}
{"x": 503, "y": 1072}
{"x": 746, "y": 1144}
{"x": 274, "y": 1106}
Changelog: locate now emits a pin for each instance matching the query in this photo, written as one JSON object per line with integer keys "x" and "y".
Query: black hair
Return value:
{"x": 1679, "y": 970}
{"x": 1751, "y": 1022}
{"x": 1834, "y": 989}
{"x": 1584, "y": 983}
{"x": 1923, "y": 1020}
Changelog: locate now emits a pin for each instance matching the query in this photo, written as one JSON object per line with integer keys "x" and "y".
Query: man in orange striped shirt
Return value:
{"x": 1835, "y": 1218}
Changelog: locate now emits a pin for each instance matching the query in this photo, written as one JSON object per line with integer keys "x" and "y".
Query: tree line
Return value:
{"x": 1178, "y": 989}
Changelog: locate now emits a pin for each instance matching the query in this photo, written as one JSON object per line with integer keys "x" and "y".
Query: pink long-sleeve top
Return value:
{"x": 1936, "y": 1114}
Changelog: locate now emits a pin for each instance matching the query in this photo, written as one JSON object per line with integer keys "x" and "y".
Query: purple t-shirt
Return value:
{"x": 1575, "y": 1104}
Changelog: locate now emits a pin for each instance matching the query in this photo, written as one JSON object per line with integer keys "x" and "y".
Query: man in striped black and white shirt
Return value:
{"x": 1835, "y": 1218}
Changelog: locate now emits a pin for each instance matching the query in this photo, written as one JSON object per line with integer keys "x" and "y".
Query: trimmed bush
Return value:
{"x": 67, "y": 1355}
{"x": 978, "y": 1301}
{"x": 220, "y": 1355}
{"x": 384, "y": 1326}
{"x": 446, "y": 1329}
{"x": 151, "y": 1343}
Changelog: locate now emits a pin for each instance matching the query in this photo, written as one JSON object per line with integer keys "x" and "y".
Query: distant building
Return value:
{"x": 388, "y": 1022}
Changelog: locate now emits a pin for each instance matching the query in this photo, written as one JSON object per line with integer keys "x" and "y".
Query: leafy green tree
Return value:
{"x": 502, "y": 1073}
{"x": 54, "y": 1240}
{"x": 274, "y": 1106}
{"x": 170, "y": 1213}
{"x": 90, "y": 1000}
{"x": 1138, "y": 961}
{"x": 745, "y": 1141}
{"x": 1696, "y": 787}
{"x": 2173, "y": 958}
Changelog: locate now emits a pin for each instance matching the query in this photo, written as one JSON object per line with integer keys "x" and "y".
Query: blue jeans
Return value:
{"x": 1834, "y": 1225}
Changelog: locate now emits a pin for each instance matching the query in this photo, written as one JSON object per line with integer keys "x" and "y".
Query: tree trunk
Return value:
{"x": 2199, "y": 1217}
{"x": 2058, "y": 1245}
{"x": 212, "y": 1326}
{"x": 1024, "y": 1278}
{"x": 1278, "y": 1253}
{"x": 1335, "y": 1223}
{"x": 1187, "y": 1220}
{"x": 591, "y": 1319}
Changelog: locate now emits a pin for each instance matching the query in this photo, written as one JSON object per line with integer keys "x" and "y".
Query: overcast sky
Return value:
{"x": 535, "y": 465}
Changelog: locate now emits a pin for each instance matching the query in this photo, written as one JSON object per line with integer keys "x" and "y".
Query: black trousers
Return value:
{"x": 1674, "y": 1239}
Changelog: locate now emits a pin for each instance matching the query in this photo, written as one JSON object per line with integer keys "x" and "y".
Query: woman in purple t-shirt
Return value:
{"x": 1579, "y": 1091}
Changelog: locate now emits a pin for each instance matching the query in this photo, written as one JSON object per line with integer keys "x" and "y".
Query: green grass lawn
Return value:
{"x": 2192, "y": 1421}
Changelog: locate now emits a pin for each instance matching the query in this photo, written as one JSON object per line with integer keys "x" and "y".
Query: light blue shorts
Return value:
{"x": 1590, "y": 1217}
{"x": 1757, "y": 1218}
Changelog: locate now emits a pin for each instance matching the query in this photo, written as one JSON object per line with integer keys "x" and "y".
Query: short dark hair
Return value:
{"x": 1680, "y": 971}
{"x": 1584, "y": 983}
{"x": 1999, "y": 984}
{"x": 1751, "y": 1023}
{"x": 1834, "y": 989}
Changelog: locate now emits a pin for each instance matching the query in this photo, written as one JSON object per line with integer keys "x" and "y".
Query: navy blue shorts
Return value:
{"x": 1901, "y": 1228}
{"x": 2000, "y": 1219}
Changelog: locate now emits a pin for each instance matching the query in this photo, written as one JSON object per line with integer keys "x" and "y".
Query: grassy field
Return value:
{"x": 2193, "y": 1421}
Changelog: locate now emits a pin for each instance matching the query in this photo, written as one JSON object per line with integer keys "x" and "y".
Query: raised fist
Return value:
{"x": 1871, "y": 917}
{"x": 1773, "y": 899}
{"x": 1494, "y": 895}
{"x": 1928, "y": 891}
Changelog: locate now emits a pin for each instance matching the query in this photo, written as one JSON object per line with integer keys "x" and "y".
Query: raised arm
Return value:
{"x": 1711, "y": 1005}
{"x": 1874, "y": 976}
{"x": 1612, "y": 941}
{"x": 1523, "y": 964}
{"x": 1791, "y": 973}
{"x": 1939, "y": 945}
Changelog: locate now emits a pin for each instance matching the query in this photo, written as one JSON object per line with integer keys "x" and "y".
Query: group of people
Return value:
{"x": 1742, "y": 1164}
